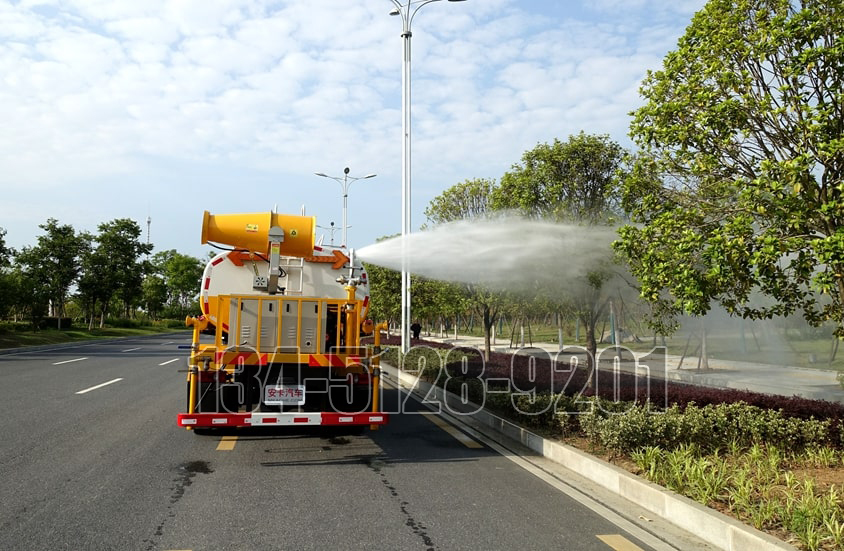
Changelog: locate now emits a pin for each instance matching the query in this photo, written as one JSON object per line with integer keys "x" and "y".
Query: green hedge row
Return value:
{"x": 623, "y": 427}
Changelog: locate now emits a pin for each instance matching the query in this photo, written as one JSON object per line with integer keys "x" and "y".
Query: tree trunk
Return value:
{"x": 488, "y": 321}
{"x": 591, "y": 350}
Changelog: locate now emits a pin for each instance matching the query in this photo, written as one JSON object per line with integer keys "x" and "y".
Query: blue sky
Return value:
{"x": 123, "y": 109}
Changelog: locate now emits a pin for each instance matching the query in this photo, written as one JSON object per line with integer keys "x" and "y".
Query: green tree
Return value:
{"x": 7, "y": 296}
{"x": 154, "y": 295}
{"x": 114, "y": 269}
{"x": 471, "y": 200}
{"x": 97, "y": 284}
{"x": 571, "y": 180}
{"x": 384, "y": 291}
{"x": 738, "y": 189}
{"x": 465, "y": 201}
{"x": 574, "y": 181}
{"x": 53, "y": 265}
{"x": 6, "y": 253}
{"x": 435, "y": 300}
{"x": 28, "y": 297}
{"x": 181, "y": 274}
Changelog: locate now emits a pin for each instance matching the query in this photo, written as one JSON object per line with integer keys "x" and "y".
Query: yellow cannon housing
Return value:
{"x": 278, "y": 341}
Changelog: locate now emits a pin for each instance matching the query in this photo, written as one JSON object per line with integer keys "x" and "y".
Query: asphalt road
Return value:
{"x": 91, "y": 459}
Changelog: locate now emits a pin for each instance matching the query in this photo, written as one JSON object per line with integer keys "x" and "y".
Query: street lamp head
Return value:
{"x": 369, "y": 176}
{"x": 321, "y": 174}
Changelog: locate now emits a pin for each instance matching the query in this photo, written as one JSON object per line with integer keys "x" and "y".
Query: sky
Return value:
{"x": 163, "y": 109}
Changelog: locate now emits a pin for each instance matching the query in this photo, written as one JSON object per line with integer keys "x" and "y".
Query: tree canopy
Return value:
{"x": 737, "y": 189}
{"x": 468, "y": 200}
{"x": 54, "y": 264}
{"x": 180, "y": 275}
{"x": 572, "y": 180}
{"x": 114, "y": 267}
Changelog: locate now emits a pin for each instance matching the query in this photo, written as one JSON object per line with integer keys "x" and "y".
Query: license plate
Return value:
{"x": 284, "y": 395}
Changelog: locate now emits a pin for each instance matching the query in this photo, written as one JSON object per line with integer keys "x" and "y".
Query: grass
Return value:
{"x": 780, "y": 492}
{"x": 20, "y": 338}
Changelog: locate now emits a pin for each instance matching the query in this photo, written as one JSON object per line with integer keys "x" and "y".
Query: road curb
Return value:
{"x": 717, "y": 529}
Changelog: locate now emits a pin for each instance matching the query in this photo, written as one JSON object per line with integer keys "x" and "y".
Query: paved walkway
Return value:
{"x": 766, "y": 378}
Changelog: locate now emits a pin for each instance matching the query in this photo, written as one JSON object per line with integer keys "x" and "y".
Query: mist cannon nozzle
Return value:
{"x": 251, "y": 231}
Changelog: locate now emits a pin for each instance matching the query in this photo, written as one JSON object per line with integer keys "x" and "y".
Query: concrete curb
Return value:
{"x": 714, "y": 527}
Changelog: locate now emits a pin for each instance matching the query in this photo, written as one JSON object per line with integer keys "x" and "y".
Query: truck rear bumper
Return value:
{"x": 280, "y": 419}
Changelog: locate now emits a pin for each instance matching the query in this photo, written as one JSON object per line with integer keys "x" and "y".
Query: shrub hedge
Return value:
{"x": 558, "y": 398}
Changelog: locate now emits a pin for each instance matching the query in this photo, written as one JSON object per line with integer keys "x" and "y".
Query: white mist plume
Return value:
{"x": 508, "y": 253}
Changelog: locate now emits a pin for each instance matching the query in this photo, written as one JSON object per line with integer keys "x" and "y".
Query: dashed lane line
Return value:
{"x": 132, "y": 349}
{"x": 170, "y": 361}
{"x": 227, "y": 443}
{"x": 70, "y": 361}
{"x": 100, "y": 385}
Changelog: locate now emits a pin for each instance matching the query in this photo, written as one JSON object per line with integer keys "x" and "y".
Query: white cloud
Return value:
{"x": 198, "y": 101}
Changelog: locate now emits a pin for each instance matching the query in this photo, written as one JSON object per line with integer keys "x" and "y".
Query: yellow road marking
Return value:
{"x": 226, "y": 443}
{"x": 619, "y": 543}
{"x": 452, "y": 430}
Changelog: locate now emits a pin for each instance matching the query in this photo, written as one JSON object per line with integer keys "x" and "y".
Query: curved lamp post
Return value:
{"x": 407, "y": 10}
{"x": 344, "y": 182}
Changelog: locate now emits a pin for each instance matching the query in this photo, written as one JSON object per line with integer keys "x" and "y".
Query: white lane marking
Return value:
{"x": 100, "y": 385}
{"x": 168, "y": 342}
{"x": 170, "y": 361}
{"x": 132, "y": 349}
{"x": 69, "y": 361}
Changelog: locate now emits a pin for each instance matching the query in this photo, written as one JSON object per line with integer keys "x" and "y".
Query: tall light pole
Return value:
{"x": 330, "y": 228}
{"x": 345, "y": 182}
{"x": 407, "y": 11}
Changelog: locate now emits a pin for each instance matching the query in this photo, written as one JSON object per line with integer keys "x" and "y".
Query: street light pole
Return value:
{"x": 345, "y": 182}
{"x": 330, "y": 228}
{"x": 407, "y": 11}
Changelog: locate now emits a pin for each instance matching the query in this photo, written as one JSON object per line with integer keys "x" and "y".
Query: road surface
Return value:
{"x": 92, "y": 459}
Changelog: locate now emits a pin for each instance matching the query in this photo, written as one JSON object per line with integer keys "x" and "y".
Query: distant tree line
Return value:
{"x": 91, "y": 277}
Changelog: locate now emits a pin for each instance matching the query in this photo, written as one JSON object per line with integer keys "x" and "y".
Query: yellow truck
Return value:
{"x": 279, "y": 339}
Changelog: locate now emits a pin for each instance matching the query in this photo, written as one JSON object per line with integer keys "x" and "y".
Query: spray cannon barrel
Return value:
{"x": 252, "y": 231}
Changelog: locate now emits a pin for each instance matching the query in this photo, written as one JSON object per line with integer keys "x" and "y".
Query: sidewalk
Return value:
{"x": 817, "y": 384}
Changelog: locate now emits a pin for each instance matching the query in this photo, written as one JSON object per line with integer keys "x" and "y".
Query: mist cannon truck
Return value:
{"x": 279, "y": 338}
